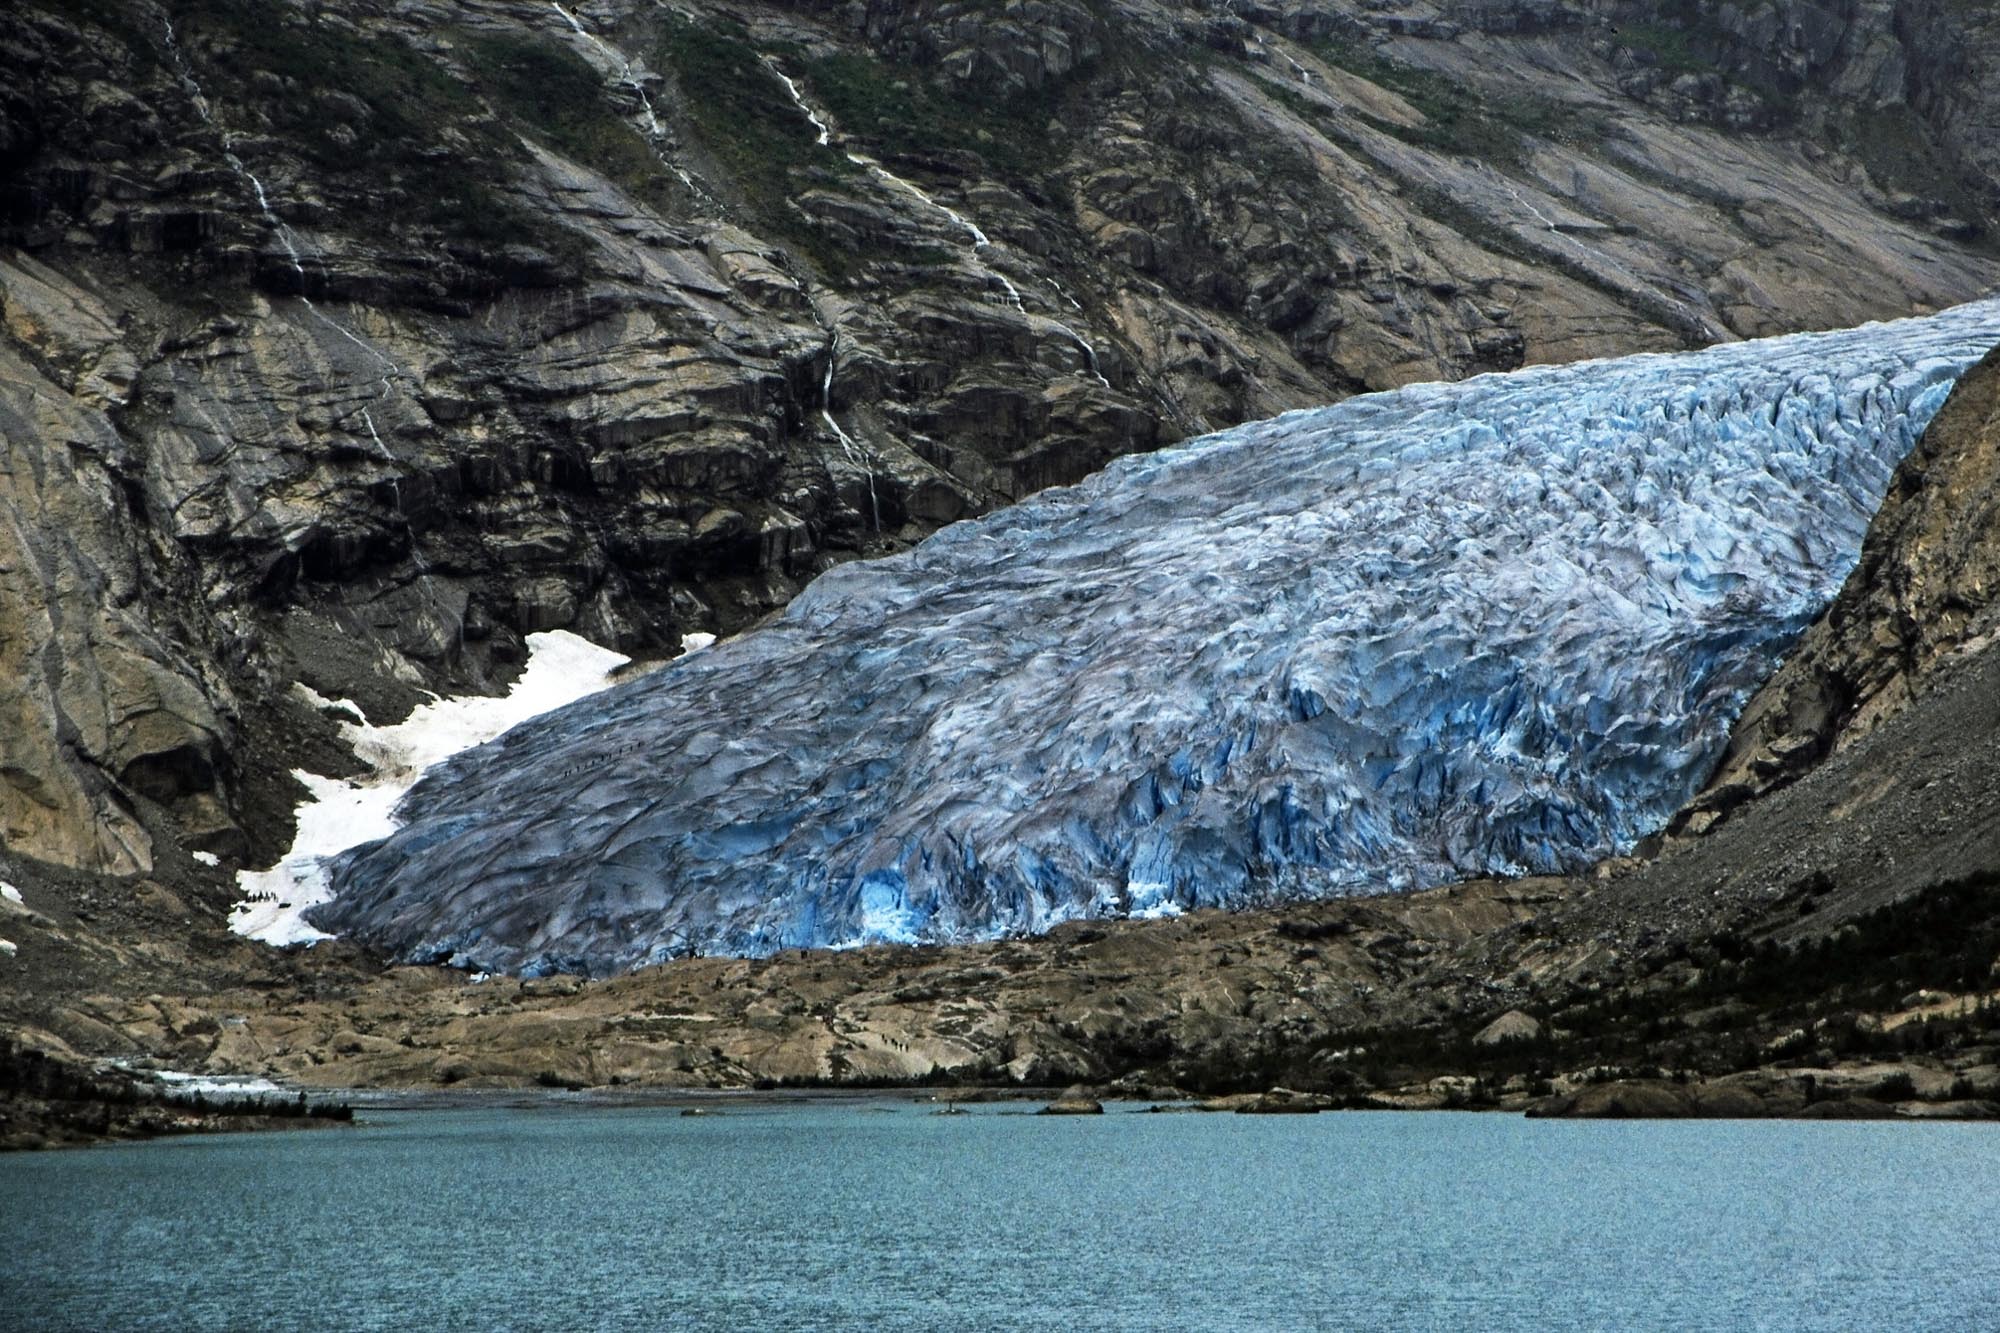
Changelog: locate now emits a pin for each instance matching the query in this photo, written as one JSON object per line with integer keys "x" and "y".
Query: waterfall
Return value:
{"x": 825, "y": 134}
{"x": 1082, "y": 345}
{"x": 628, "y": 77}
{"x": 1257, "y": 37}
{"x": 847, "y": 444}
{"x": 391, "y": 372}
{"x": 1526, "y": 203}
{"x": 981, "y": 243}
{"x": 425, "y": 578}
{"x": 973, "y": 233}
{"x": 1089, "y": 352}
{"x": 286, "y": 237}
{"x": 192, "y": 87}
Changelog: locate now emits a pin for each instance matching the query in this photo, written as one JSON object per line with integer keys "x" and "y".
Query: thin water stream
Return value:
{"x": 627, "y": 76}
{"x": 981, "y": 244}
{"x": 391, "y": 372}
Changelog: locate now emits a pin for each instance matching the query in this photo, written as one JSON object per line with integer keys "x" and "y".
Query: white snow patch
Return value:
{"x": 342, "y": 813}
{"x": 9, "y": 892}
{"x": 208, "y": 1085}
{"x": 7, "y": 948}
{"x": 206, "y": 858}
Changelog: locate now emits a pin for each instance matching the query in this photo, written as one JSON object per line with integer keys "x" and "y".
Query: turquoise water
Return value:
{"x": 883, "y": 1216}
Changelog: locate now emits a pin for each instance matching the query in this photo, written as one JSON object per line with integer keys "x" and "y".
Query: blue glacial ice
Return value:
{"x": 1487, "y": 628}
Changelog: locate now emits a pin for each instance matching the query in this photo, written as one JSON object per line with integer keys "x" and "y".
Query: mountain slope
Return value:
{"x": 1923, "y": 596}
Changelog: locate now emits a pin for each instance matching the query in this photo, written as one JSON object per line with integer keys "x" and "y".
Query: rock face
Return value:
{"x": 349, "y": 343}
{"x": 1927, "y": 590}
{"x": 51, "y": 1102}
{"x": 92, "y": 701}
{"x": 1499, "y": 627}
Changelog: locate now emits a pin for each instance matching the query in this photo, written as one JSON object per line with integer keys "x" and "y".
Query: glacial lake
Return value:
{"x": 882, "y": 1215}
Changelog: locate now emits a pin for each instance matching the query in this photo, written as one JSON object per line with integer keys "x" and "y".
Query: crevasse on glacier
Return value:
{"x": 1484, "y": 628}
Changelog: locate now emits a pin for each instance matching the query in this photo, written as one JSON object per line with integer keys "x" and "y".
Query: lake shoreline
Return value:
{"x": 85, "y": 1120}
{"x": 1614, "y": 1098}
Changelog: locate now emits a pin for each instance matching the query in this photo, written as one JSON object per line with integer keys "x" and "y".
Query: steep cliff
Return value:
{"x": 1925, "y": 597}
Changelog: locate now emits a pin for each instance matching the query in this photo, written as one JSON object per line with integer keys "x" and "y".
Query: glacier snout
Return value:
{"x": 1492, "y": 627}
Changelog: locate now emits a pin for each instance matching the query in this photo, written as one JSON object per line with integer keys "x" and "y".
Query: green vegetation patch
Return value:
{"x": 738, "y": 108}
{"x": 367, "y": 108}
{"x": 1459, "y": 119}
{"x": 141, "y": 32}
{"x": 407, "y": 95}
{"x": 1684, "y": 38}
{"x": 1742, "y": 988}
{"x": 1293, "y": 162}
{"x": 898, "y": 110}
{"x": 741, "y": 112}
{"x": 1672, "y": 47}
{"x": 559, "y": 99}
{"x": 1893, "y": 144}
{"x": 1946, "y": 939}
{"x": 1714, "y": 1006}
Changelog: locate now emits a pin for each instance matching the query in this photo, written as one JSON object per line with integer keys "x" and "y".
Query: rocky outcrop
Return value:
{"x": 350, "y": 343}
{"x": 1278, "y": 1101}
{"x": 1861, "y": 1093}
{"x": 97, "y": 701}
{"x": 1074, "y": 1102}
{"x": 1200, "y": 1002}
{"x": 1925, "y": 595}
{"x": 51, "y": 1100}
{"x": 1952, "y": 82}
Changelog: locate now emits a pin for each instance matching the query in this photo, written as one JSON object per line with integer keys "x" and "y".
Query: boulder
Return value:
{"x": 1635, "y": 1099}
{"x": 1073, "y": 1106}
{"x": 1284, "y": 1101}
{"x": 1509, "y": 1027}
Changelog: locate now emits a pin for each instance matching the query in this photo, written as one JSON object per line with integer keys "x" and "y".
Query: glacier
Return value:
{"x": 1495, "y": 627}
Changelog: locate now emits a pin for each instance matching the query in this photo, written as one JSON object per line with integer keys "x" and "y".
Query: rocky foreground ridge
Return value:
{"x": 347, "y": 344}
{"x": 1828, "y": 947}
